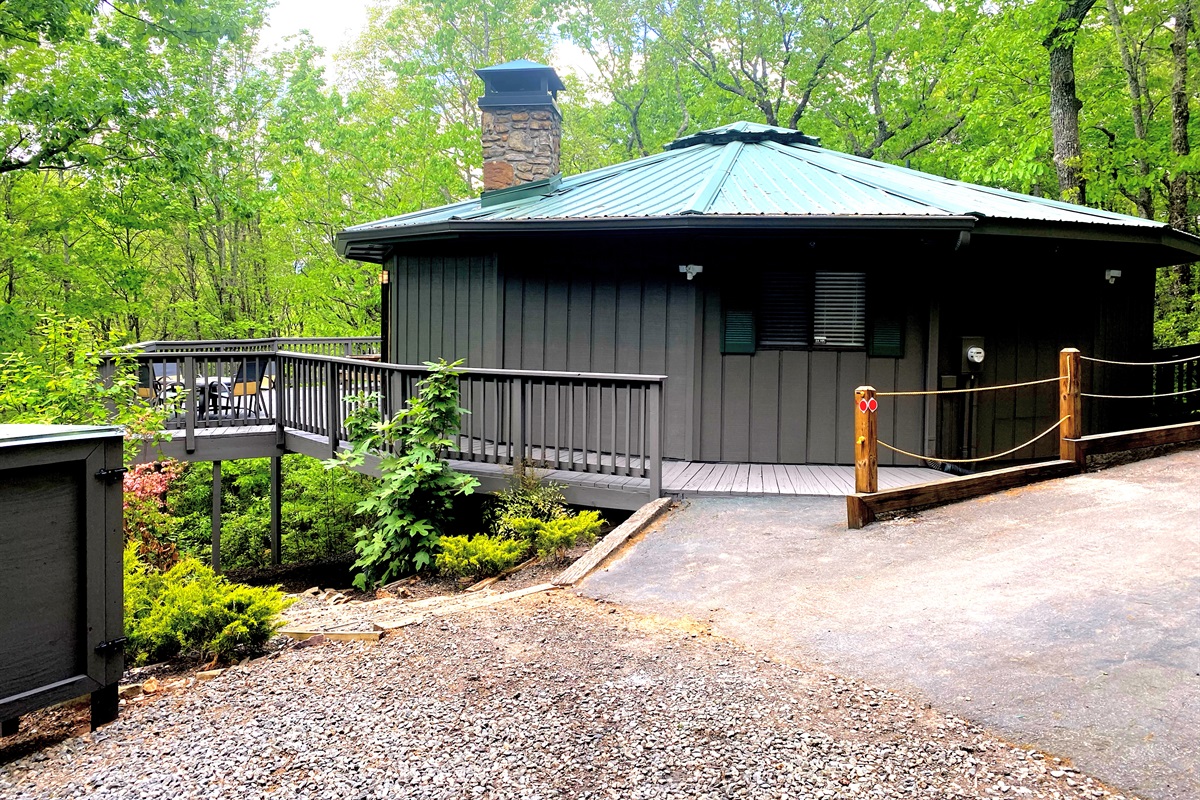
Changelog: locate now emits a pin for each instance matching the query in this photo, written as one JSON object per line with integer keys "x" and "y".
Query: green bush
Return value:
{"x": 189, "y": 610}
{"x": 553, "y": 539}
{"x": 526, "y": 498}
{"x": 319, "y": 510}
{"x": 414, "y": 498}
{"x": 479, "y": 556}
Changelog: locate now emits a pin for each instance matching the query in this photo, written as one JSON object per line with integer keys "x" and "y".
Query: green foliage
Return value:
{"x": 319, "y": 510}
{"x": 188, "y": 610}
{"x": 553, "y": 539}
{"x": 479, "y": 556}
{"x": 526, "y": 497}
{"x": 57, "y": 380}
{"x": 415, "y": 495}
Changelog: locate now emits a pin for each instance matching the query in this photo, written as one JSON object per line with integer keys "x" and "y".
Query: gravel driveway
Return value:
{"x": 550, "y": 696}
{"x": 1063, "y": 614}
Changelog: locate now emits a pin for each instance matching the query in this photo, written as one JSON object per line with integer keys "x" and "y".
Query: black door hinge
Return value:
{"x": 111, "y": 475}
{"x": 111, "y": 646}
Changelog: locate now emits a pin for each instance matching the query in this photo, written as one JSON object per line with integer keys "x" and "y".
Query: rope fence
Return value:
{"x": 992, "y": 457}
{"x": 1138, "y": 396}
{"x": 1139, "y": 363}
{"x": 1055, "y": 379}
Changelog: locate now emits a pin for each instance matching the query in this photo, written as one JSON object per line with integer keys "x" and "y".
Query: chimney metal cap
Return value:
{"x": 519, "y": 82}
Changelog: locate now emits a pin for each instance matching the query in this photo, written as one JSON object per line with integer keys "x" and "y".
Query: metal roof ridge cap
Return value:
{"x": 703, "y": 197}
{"x": 788, "y": 151}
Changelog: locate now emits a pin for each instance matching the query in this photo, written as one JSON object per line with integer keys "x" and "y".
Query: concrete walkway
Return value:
{"x": 1065, "y": 615}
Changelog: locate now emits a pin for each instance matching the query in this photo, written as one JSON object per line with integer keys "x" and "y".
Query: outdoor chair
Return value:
{"x": 157, "y": 384}
{"x": 243, "y": 397}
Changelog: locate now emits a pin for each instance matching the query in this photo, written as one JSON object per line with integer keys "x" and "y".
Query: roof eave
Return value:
{"x": 1184, "y": 247}
{"x": 385, "y": 238}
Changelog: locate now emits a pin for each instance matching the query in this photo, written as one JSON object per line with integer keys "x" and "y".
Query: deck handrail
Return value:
{"x": 598, "y": 422}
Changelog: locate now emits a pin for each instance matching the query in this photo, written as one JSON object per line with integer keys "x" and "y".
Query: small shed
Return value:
{"x": 767, "y": 277}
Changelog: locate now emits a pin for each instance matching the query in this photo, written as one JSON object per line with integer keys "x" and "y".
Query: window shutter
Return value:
{"x": 737, "y": 330}
{"x": 785, "y": 306}
{"x": 840, "y": 309}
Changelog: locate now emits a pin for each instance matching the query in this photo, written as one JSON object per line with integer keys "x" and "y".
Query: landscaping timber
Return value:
{"x": 862, "y": 509}
{"x": 640, "y": 520}
{"x": 1101, "y": 443}
{"x": 334, "y": 636}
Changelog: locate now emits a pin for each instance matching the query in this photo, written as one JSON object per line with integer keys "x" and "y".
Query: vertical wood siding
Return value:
{"x": 640, "y": 319}
{"x": 795, "y": 406}
{"x": 445, "y": 307}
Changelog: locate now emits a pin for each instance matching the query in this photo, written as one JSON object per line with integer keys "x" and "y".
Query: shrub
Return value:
{"x": 192, "y": 611}
{"x": 319, "y": 517}
{"x": 480, "y": 556}
{"x": 147, "y": 520}
{"x": 414, "y": 498}
{"x": 526, "y": 498}
{"x": 554, "y": 538}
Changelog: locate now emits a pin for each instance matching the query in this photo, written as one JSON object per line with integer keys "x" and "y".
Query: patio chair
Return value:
{"x": 243, "y": 397}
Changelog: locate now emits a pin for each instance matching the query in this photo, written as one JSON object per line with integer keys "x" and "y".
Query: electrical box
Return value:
{"x": 973, "y": 354}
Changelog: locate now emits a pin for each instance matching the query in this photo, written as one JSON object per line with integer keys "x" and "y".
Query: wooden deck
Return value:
{"x": 680, "y": 478}
{"x": 700, "y": 479}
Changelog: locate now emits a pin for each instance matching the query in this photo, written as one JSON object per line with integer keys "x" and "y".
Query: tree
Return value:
{"x": 1064, "y": 102}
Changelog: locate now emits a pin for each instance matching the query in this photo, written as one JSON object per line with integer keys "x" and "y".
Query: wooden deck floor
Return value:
{"x": 698, "y": 479}
{"x": 684, "y": 478}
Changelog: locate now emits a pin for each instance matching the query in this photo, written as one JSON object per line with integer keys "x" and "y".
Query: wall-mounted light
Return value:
{"x": 691, "y": 270}
{"x": 383, "y": 278}
{"x": 1111, "y": 275}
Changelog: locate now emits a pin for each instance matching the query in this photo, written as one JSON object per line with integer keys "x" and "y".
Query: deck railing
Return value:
{"x": 1172, "y": 380}
{"x": 607, "y": 424}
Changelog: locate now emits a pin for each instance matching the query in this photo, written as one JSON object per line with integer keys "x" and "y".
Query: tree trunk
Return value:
{"x": 1064, "y": 103}
{"x": 1181, "y": 146}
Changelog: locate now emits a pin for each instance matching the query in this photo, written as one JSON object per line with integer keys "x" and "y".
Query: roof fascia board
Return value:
{"x": 697, "y": 222}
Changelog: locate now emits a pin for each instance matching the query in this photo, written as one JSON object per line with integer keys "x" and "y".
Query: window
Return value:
{"x": 797, "y": 309}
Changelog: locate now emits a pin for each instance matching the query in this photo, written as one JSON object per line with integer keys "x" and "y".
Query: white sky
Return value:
{"x": 332, "y": 23}
{"x": 336, "y": 23}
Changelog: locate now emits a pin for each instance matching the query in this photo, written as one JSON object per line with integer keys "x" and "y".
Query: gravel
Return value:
{"x": 549, "y": 696}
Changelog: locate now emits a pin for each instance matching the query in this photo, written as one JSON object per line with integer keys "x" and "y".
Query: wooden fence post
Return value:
{"x": 1070, "y": 405}
{"x": 866, "y": 438}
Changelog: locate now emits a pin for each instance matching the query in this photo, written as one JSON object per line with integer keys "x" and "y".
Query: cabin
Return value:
{"x": 762, "y": 278}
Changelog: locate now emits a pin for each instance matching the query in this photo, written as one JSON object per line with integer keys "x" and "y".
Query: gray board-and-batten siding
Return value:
{"x": 627, "y": 313}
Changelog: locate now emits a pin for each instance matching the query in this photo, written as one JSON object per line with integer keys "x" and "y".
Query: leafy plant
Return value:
{"x": 527, "y": 497}
{"x": 415, "y": 496}
{"x": 553, "y": 539}
{"x": 148, "y": 522}
{"x": 190, "y": 610}
{"x": 479, "y": 556}
{"x": 319, "y": 516}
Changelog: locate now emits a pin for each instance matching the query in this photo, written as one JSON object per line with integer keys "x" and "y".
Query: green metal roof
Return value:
{"x": 743, "y": 171}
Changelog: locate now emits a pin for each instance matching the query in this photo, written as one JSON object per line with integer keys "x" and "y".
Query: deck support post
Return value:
{"x": 276, "y": 508}
{"x": 1070, "y": 405}
{"x": 866, "y": 440}
{"x": 216, "y": 517}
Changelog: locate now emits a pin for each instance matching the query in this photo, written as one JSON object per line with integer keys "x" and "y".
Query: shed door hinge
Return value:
{"x": 111, "y": 646}
{"x": 111, "y": 475}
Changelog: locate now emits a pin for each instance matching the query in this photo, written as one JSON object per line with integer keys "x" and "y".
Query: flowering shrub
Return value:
{"x": 148, "y": 523}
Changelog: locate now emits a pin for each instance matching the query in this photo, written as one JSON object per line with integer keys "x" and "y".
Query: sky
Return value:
{"x": 336, "y": 23}
{"x": 332, "y": 23}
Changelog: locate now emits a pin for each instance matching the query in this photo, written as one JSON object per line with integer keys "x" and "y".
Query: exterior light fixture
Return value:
{"x": 1111, "y": 275}
{"x": 691, "y": 270}
{"x": 383, "y": 278}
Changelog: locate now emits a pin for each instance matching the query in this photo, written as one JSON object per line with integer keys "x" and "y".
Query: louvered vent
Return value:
{"x": 737, "y": 331}
{"x": 840, "y": 309}
{"x": 887, "y": 336}
{"x": 785, "y": 303}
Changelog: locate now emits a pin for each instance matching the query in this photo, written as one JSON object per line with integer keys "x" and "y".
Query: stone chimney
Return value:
{"x": 522, "y": 127}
